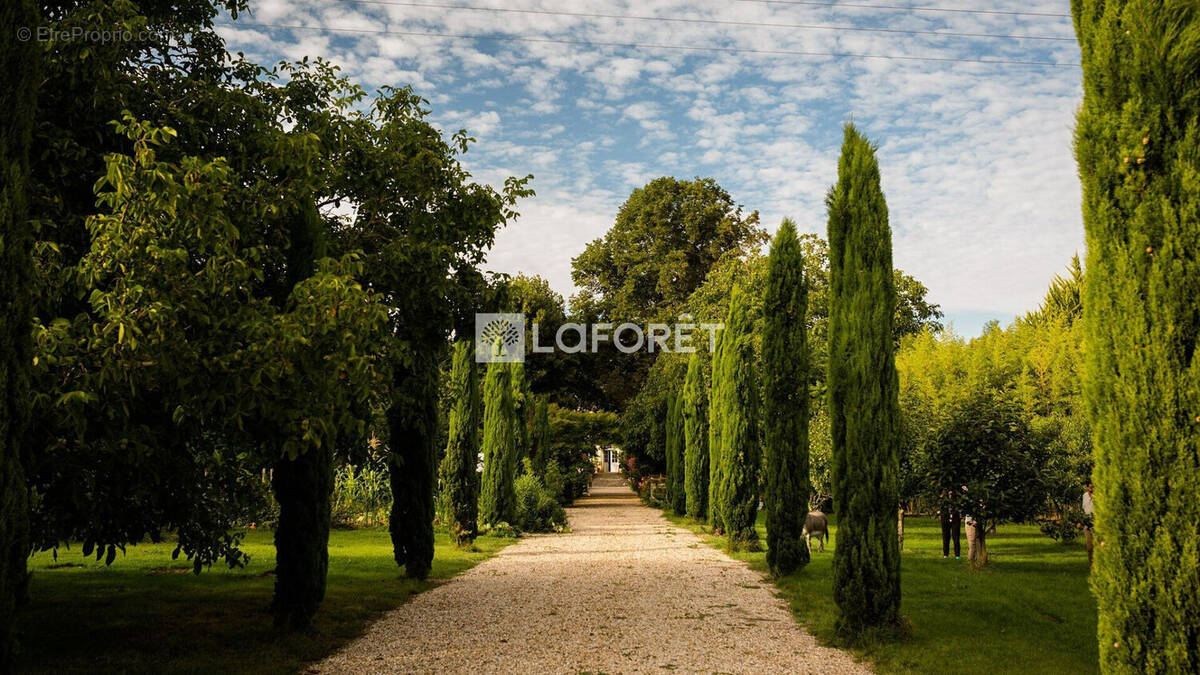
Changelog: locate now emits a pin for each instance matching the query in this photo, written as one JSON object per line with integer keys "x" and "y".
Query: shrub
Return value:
{"x": 361, "y": 496}
{"x": 538, "y": 509}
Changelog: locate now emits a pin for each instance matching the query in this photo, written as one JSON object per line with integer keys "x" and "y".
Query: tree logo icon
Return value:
{"x": 500, "y": 338}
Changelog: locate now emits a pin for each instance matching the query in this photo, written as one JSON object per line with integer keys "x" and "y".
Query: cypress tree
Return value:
{"x": 303, "y": 485}
{"x": 1138, "y": 147}
{"x": 497, "y": 500}
{"x": 863, "y": 393}
{"x": 785, "y": 402}
{"x": 522, "y": 399}
{"x": 540, "y": 436}
{"x": 460, "y": 479}
{"x": 19, "y": 61}
{"x": 741, "y": 455}
{"x": 715, "y": 427}
{"x": 413, "y": 427}
{"x": 676, "y": 496}
{"x": 695, "y": 438}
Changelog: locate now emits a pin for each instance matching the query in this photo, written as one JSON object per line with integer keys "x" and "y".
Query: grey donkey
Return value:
{"x": 816, "y": 525}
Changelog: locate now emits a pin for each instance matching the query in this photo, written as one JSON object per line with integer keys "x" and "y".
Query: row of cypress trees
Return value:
{"x": 514, "y": 423}
{"x": 714, "y": 472}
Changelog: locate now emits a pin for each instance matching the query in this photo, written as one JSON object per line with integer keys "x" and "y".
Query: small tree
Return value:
{"x": 863, "y": 393}
{"x": 984, "y": 461}
{"x": 740, "y": 452}
{"x": 676, "y": 493}
{"x": 785, "y": 403}
{"x": 497, "y": 501}
{"x": 459, "y": 477}
{"x": 695, "y": 439}
{"x": 523, "y": 404}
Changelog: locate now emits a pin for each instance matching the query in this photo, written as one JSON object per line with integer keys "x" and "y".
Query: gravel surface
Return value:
{"x": 625, "y": 591}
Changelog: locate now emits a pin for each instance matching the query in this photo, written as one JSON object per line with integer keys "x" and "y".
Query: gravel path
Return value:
{"x": 625, "y": 591}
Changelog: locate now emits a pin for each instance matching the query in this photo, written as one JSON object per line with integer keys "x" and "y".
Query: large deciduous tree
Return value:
{"x": 863, "y": 393}
{"x": 785, "y": 403}
{"x": 1138, "y": 147}
{"x": 741, "y": 455}
{"x": 19, "y": 60}
{"x": 695, "y": 438}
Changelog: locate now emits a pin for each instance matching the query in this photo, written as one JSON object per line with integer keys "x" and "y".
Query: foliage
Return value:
{"x": 458, "y": 472}
{"x": 19, "y": 60}
{"x": 985, "y": 458}
{"x": 538, "y": 509}
{"x": 863, "y": 405}
{"x": 497, "y": 501}
{"x": 667, "y": 237}
{"x": 576, "y": 434}
{"x": 741, "y": 458}
{"x": 362, "y": 496}
{"x": 785, "y": 403}
{"x": 695, "y": 439}
{"x": 1138, "y": 147}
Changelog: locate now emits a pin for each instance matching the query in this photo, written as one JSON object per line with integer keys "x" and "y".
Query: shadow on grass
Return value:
{"x": 1030, "y": 610}
{"x": 132, "y": 617}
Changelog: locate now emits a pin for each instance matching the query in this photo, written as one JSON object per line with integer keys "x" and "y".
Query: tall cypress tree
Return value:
{"x": 303, "y": 485}
{"x": 863, "y": 393}
{"x": 459, "y": 477}
{"x": 1138, "y": 148}
{"x": 497, "y": 500}
{"x": 785, "y": 402}
{"x": 676, "y": 496}
{"x": 522, "y": 399}
{"x": 413, "y": 428}
{"x": 695, "y": 439}
{"x": 716, "y": 409}
{"x": 540, "y": 436}
{"x": 741, "y": 455}
{"x": 19, "y": 62}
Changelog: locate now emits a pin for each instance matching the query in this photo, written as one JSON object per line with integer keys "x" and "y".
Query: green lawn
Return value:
{"x": 148, "y": 613}
{"x": 1029, "y": 611}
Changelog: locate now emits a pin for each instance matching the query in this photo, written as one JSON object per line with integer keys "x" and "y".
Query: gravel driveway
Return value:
{"x": 625, "y": 591}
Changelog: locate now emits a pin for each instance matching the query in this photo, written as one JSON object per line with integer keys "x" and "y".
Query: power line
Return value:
{"x": 644, "y": 45}
{"x": 719, "y": 22}
{"x": 906, "y": 8}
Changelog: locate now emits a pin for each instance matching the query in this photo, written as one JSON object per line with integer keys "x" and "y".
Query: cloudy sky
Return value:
{"x": 976, "y": 157}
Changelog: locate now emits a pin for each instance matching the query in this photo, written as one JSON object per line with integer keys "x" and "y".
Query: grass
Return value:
{"x": 1028, "y": 611}
{"x": 148, "y": 613}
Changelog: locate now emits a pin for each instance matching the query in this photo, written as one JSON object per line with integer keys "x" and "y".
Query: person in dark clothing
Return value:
{"x": 951, "y": 525}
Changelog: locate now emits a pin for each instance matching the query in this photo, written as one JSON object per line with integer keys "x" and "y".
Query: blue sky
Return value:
{"x": 976, "y": 158}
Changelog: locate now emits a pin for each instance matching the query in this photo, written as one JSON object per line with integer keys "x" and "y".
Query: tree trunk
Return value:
{"x": 900, "y": 525}
{"x": 303, "y": 488}
{"x": 977, "y": 544}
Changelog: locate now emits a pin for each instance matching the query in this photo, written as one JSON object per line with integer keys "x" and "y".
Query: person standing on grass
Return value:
{"x": 1087, "y": 520}
{"x": 951, "y": 525}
